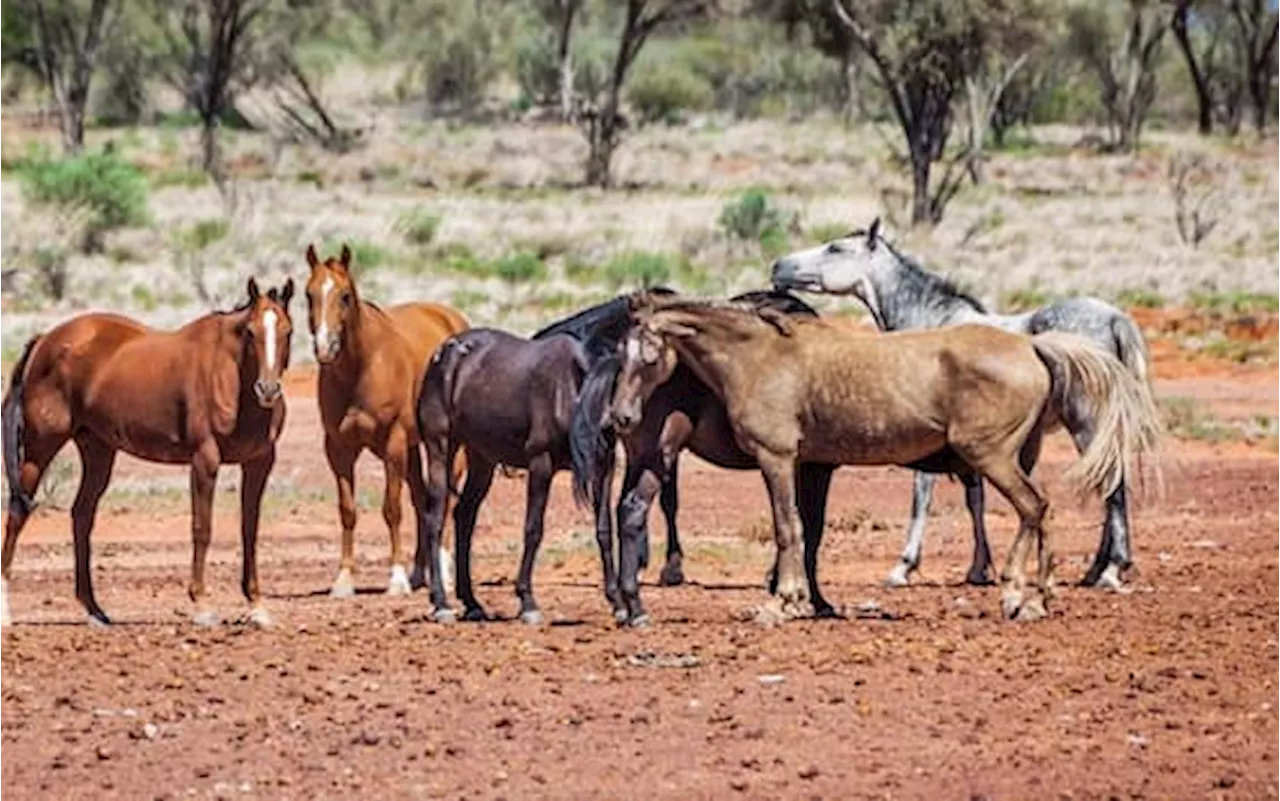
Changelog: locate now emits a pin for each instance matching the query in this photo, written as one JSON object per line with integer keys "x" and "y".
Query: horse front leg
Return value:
{"x": 342, "y": 462}
{"x": 909, "y": 562}
{"x": 395, "y": 462}
{"x": 204, "y": 480}
{"x": 793, "y": 586}
{"x": 639, "y": 486}
{"x": 813, "y": 482}
{"x": 253, "y": 482}
{"x": 539, "y": 488}
{"x": 604, "y": 535}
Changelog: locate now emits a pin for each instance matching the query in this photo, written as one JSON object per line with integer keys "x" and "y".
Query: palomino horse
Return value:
{"x": 206, "y": 395}
{"x": 902, "y": 295}
{"x": 971, "y": 397}
{"x": 508, "y": 401}
{"x": 681, "y": 413}
{"x": 371, "y": 363}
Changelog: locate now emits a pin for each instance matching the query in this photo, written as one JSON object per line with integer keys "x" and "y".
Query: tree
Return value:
{"x": 205, "y": 44}
{"x": 66, "y": 41}
{"x": 603, "y": 125}
{"x": 1119, "y": 42}
{"x": 1254, "y": 33}
{"x": 923, "y": 52}
{"x": 562, "y": 14}
{"x": 1199, "y": 80}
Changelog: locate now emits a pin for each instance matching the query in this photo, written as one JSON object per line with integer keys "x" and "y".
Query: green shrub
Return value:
{"x": 821, "y": 233}
{"x": 662, "y": 93}
{"x": 518, "y": 268}
{"x": 537, "y": 66}
{"x": 1234, "y": 302}
{"x": 113, "y": 192}
{"x": 204, "y": 233}
{"x": 752, "y": 217}
{"x": 1140, "y": 299}
{"x": 640, "y": 269}
{"x": 458, "y": 62}
{"x": 418, "y": 226}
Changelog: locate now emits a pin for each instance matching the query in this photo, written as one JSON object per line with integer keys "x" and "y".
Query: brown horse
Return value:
{"x": 801, "y": 390}
{"x": 371, "y": 366}
{"x": 206, "y": 395}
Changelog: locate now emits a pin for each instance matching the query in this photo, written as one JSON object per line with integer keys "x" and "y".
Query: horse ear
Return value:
{"x": 254, "y": 292}
{"x": 873, "y": 233}
{"x": 345, "y": 258}
{"x": 638, "y": 301}
{"x": 313, "y": 261}
{"x": 286, "y": 294}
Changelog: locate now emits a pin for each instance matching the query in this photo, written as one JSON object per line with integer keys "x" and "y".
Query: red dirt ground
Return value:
{"x": 1166, "y": 693}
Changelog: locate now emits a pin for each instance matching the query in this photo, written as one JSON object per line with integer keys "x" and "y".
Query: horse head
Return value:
{"x": 331, "y": 302}
{"x": 266, "y": 331}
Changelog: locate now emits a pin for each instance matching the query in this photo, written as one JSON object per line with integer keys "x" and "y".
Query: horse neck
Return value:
{"x": 360, "y": 338}
{"x": 717, "y": 364}
{"x": 906, "y": 301}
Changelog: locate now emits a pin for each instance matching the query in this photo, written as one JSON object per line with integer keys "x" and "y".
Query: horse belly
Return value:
{"x": 137, "y": 414}
{"x": 871, "y": 440}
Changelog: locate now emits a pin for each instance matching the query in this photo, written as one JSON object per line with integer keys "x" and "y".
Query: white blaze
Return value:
{"x": 322, "y": 333}
{"x": 633, "y": 348}
{"x": 269, "y": 323}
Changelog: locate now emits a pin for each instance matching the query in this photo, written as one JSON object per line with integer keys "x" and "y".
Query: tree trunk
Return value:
{"x": 599, "y": 162}
{"x": 921, "y": 208}
{"x": 978, "y": 116}
{"x": 569, "y": 9}
{"x": 71, "y": 121}
{"x": 849, "y": 71}
{"x": 210, "y": 160}
{"x": 1204, "y": 99}
{"x": 1260, "y": 95}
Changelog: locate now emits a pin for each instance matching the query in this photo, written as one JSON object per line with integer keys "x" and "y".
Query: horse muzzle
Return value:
{"x": 787, "y": 274}
{"x": 268, "y": 393}
{"x": 625, "y": 420}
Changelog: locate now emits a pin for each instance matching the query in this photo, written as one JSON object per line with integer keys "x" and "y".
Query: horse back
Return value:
{"x": 426, "y": 325}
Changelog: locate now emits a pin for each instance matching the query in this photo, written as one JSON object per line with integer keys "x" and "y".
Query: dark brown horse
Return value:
{"x": 682, "y": 413}
{"x": 508, "y": 401}
{"x": 371, "y": 364}
{"x": 206, "y": 395}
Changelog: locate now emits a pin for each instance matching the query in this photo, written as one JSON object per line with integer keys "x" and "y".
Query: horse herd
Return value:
{"x": 755, "y": 382}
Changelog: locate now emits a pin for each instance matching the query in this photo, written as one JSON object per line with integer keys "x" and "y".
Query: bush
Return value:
{"x": 640, "y": 269}
{"x": 418, "y": 226}
{"x": 752, "y": 217}
{"x": 537, "y": 66}
{"x": 113, "y": 192}
{"x": 204, "y": 233}
{"x": 458, "y": 66}
{"x": 517, "y": 268}
{"x": 662, "y": 93}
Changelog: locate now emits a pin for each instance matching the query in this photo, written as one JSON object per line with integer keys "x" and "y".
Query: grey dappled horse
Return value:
{"x": 900, "y": 294}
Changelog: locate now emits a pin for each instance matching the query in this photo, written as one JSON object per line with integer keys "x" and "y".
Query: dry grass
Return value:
{"x": 1051, "y": 221}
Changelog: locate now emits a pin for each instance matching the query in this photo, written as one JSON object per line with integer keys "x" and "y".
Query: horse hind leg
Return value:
{"x": 395, "y": 467}
{"x": 1007, "y": 476}
{"x": 97, "y": 459}
{"x": 979, "y": 573}
{"x": 342, "y": 462}
{"x": 38, "y": 453}
{"x": 909, "y": 562}
{"x": 672, "y": 574}
{"x": 539, "y": 488}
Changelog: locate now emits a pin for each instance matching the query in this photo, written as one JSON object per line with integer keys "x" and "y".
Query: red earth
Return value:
{"x": 1166, "y": 692}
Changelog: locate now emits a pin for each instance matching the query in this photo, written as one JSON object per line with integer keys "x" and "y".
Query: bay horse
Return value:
{"x": 371, "y": 363}
{"x": 508, "y": 401}
{"x": 206, "y": 395}
{"x": 681, "y": 413}
{"x": 972, "y": 396}
{"x": 902, "y": 295}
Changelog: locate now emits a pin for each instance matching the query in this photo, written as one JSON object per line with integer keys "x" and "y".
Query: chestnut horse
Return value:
{"x": 968, "y": 398}
{"x": 206, "y": 395}
{"x": 371, "y": 366}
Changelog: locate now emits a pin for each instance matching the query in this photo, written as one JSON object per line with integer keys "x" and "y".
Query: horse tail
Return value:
{"x": 1126, "y": 422}
{"x": 591, "y": 437}
{"x": 14, "y": 423}
{"x": 437, "y": 399}
{"x": 1131, "y": 347}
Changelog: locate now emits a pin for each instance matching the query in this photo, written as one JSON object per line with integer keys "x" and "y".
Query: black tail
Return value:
{"x": 591, "y": 437}
{"x": 438, "y": 386}
{"x": 14, "y": 425}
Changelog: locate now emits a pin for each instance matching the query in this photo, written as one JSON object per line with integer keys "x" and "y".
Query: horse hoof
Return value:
{"x": 475, "y": 614}
{"x": 342, "y": 589}
{"x": 531, "y": 617}
{"x": 1010, "y": 603}
{"x": 671, "y": 576}
{"x": 1031, "y": 609}
{"x": 445, "y": 616}
{"x": 206, "y": 618}
{"x": 979, "y": 578}
{"x": 260, "y": 618}
{"x": 399, "y": 582}
{"x": 640, "y": 621}
{"x": 900, "y": 576}
{"x": 98, "y": 620}
{"x": 620, "y": 615}
{"x": 418, "y": 579}
{"x": 1110, "y": 579}
{"x": 825, "y": 610}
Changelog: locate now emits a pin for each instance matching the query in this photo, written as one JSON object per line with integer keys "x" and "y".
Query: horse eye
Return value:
{"x": 346, "y": 298}
{"x": 833, "y": 248}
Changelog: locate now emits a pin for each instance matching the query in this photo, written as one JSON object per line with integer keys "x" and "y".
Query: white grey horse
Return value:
{"x": 900, "y": 294}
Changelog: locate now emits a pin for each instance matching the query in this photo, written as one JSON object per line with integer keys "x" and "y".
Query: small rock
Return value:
{"x": 369, "y": 738}
{"x": 739, "y": 785}
{"x": 150, "y": 731}
{"x": 809, "y": 772}
{"x": 104, "y": 753}
{"x": 771, "y": 679}
{"x": 1206, "y": 544}
{"x": 967, "y": 609}
{"x": 1137, "y": 740}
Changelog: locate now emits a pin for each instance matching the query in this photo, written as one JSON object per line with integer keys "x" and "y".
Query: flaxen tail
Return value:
{"x": 15, "y": 424}
{"x": 1116, "y": 399}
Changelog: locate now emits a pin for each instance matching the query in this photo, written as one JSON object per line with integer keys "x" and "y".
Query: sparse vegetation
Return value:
{"x": 639, "y": 269}
{"x": 112, "y": 192}
{"x": 418, "y": 226}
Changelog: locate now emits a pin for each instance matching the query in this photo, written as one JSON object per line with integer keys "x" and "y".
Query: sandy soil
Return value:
{"x": 1168, "y": 692}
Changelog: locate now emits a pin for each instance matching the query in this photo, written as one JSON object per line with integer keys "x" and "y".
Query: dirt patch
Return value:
{"x": 1168, "y": 692}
